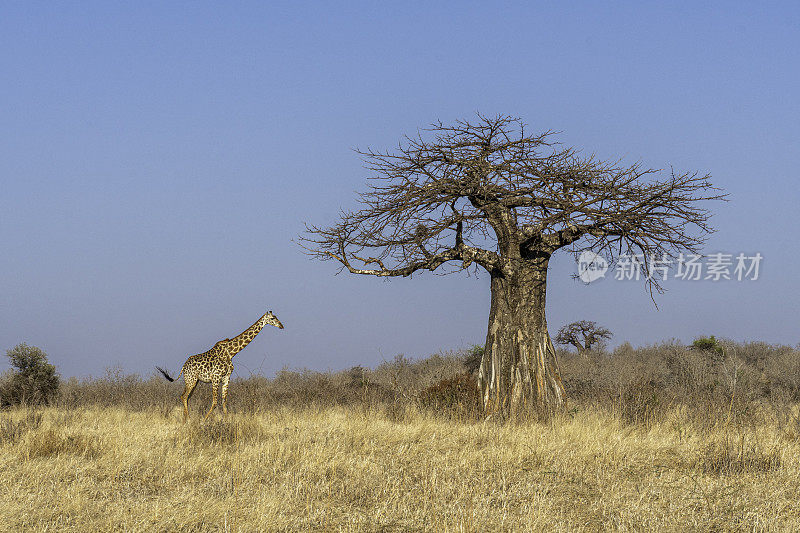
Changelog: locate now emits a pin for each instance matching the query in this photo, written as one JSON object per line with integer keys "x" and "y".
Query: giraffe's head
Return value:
{"x": 272, "y": 320}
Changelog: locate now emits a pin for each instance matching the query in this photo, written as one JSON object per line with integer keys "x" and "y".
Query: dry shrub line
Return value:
{"x": 641, "y": 384}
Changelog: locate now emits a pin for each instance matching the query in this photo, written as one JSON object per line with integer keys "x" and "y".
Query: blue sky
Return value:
{"x": 159, "y": 158}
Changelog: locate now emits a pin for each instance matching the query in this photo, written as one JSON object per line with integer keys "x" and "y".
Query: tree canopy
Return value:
{"x": 487, "y": 191}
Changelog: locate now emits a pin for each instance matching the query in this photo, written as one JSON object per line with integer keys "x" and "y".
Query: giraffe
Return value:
{"x": 215, "y": 365}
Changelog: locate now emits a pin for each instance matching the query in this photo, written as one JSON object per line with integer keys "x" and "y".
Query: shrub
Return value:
{"x": 456, "y": 397}
{"x": 473, "y": 358}
{"x": 35, "y": 380}
{"x": 639, "y": 403}
{"x": 708, "y": 344}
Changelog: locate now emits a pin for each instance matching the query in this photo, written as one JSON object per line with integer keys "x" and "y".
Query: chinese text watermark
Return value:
{"x": 687, "y": 267}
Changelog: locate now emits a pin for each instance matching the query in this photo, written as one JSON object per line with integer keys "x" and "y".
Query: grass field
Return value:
{"x": 352, "y": 469}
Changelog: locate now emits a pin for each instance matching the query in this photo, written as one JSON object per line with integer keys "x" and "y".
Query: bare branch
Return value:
{"x": 487, "y": 192}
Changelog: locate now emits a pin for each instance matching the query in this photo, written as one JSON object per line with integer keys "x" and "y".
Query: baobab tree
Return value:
{"x": 488, "y": 194}
{"x": 583, "y": 335}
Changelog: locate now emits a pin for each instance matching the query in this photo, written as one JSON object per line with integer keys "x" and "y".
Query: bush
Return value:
{"x": 708, "y": 344}
{"x": 473, "y": 359}
{"x": 35, "y": 380}
{"x": 639, "y": 403}
{"x": 456, "y": 397}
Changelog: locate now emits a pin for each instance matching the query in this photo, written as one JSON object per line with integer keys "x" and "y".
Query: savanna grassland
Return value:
{"x": 684, "y": 440}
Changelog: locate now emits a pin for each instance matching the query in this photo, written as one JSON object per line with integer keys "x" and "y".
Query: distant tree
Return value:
{"x": 708, "y": 344}
{"x": 490, "y": 194}
{"x": 35, "y": 380}
{"x": 583, "y": 335}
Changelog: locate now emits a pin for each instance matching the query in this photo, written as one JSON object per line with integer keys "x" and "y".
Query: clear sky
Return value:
{"x": 157, "y": 160}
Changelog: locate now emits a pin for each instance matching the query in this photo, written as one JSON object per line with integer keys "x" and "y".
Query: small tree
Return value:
{"x": 35, "y": 380}
{"x": 583, "y": 335}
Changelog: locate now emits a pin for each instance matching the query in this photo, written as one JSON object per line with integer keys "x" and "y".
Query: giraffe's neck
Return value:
{"x": 238, "y": 343}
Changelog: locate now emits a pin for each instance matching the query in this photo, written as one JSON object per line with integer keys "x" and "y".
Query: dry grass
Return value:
{"x": 343, "y": 468}
{"x": 656, "y": 438}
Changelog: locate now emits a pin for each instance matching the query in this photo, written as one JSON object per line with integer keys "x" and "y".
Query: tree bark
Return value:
{"x": 519, "y": 375}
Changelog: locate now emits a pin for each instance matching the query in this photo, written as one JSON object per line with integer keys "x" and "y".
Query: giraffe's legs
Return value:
{"x": 225, "y": 382}
{"x": 187, "y": 391}
{"x": 214, "y": 389}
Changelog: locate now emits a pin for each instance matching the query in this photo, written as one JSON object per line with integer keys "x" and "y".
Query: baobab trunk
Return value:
{"x": 519, "y": 374}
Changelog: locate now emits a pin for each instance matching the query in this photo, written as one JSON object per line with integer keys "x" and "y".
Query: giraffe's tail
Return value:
{"x": 166, "y": 374}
